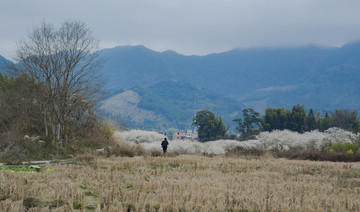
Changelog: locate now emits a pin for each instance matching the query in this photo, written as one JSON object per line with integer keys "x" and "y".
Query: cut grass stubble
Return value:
{"x": 186, "y": 183}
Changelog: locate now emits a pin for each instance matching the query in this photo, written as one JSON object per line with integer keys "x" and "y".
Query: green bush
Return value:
{"x": 342, "y": 147}
{"x": 19, "y": 169}
{"x": 78, "y": 205}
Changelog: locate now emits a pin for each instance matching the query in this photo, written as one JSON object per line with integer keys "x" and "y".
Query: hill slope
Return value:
{"x": 4, "y": 64}
{"x": 168, "y": 104}
{"x": 321, "y": 78}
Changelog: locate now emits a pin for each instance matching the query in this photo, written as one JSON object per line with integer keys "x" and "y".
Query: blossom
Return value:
{"x": 284, "y": 139}
{"x": 277, "y": 139}
{"x": 152, "y": 141}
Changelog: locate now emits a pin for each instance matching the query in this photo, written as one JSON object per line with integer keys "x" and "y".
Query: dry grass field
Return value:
{"x": 184, "y": 183}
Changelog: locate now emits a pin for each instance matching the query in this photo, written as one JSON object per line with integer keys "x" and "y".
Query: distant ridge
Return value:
{"x": 168, "y": 104}
{"x": 323, "y": 78}
{"x": 4, "y": 64}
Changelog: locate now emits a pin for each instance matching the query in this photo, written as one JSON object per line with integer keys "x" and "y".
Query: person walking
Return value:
{"x": 164, "y": 145}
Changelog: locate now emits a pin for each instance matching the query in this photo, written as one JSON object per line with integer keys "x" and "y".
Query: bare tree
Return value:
{"x": 65, "y": 62}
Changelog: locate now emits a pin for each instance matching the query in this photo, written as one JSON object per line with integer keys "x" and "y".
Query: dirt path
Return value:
{"x": 40, "y": 163}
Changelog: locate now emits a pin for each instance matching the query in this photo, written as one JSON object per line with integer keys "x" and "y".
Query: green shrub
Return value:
{"x": 78, "y": 205}
{"x": 19, "y": 169}
{"x": 342, "y": 147}
{"x": 157, "y": 207}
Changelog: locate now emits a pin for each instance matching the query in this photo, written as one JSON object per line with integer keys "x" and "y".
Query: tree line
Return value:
{"x": 298, "y": 119}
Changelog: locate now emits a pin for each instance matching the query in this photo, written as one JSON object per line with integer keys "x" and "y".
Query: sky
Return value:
{"x": 190, "y": 27}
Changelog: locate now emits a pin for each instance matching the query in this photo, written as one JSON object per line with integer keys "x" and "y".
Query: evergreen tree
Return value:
{"x": 298, "y": 118}
{"x": 311, "y": 122}
{"x": 271, "y": 119}
{"x": 210, "y": 127}
{"x": 345, "y": 119}
{"x": 250, "y": 125}
{"x": 326, "y": 123}
{"x": 276, "y": 119}
{"x": 220, "y": 129}
{"x": 318, "y": 120}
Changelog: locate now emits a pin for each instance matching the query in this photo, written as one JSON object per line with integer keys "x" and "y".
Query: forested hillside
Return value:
{"x": 173, "y": 86}
{"x": 168, "y": 104}
{"x": 318, "y": 77}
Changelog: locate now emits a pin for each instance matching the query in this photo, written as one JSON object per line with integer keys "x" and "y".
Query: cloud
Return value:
{"x": 193, "y": 27}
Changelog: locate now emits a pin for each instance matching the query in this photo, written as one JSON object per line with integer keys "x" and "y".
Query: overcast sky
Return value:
{"x": 190, "y": 26}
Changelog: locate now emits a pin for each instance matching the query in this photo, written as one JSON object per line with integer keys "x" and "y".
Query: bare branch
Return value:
{"x": 64, "y": 60}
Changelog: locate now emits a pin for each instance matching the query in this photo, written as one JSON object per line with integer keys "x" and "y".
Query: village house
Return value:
{"x": 182, "y": 135}
{"x": 179, "y": 135}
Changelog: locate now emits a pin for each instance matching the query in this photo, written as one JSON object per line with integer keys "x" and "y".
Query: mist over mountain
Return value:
{"x": 323, "y": 78}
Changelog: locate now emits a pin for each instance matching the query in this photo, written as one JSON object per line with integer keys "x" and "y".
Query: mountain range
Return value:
{"x": 165, "y": 89}
{"x": 322, "y": 78}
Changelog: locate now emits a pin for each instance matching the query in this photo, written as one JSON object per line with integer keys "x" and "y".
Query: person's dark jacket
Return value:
{"x": 164, "y": 143}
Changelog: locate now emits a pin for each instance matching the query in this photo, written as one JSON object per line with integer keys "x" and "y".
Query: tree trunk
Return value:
{"x": 58, "y": 133}
{"x": 46, "y": 126}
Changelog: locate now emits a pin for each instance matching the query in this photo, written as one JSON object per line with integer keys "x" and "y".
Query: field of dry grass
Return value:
{"x": 184, "y": 183}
